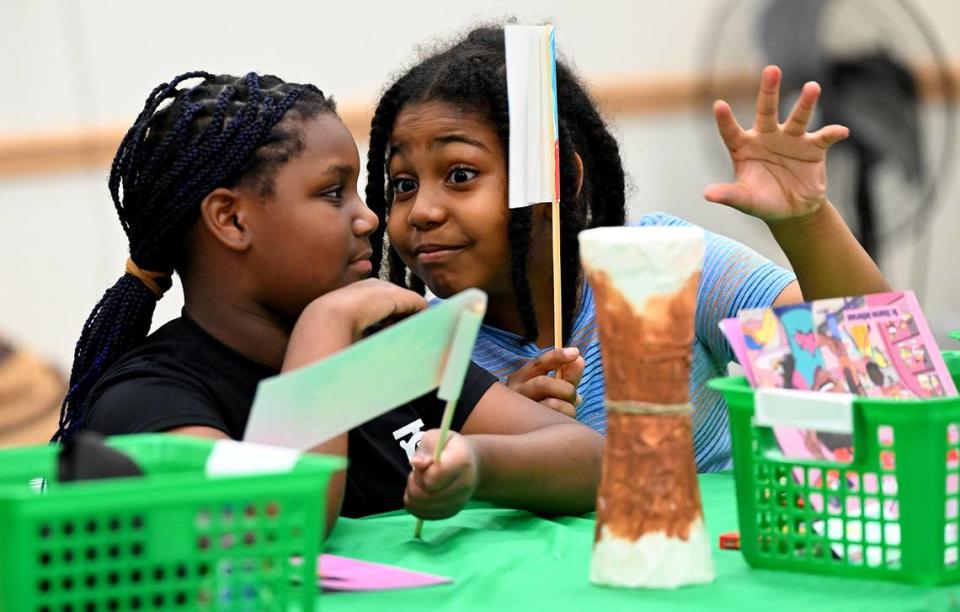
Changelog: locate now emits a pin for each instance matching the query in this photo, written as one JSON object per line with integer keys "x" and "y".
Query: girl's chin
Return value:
{"x": 448, "y": 285}
{"x": 444, "y": 290}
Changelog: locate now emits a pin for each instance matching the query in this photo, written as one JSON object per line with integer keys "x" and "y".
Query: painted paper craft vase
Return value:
{"x": 650, "y": 530}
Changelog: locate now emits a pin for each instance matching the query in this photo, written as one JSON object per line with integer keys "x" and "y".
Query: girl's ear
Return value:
{"x": 224, "y": 215}
{"x": 579, "y": 162}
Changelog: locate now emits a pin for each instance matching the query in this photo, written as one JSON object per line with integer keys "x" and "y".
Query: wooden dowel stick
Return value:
{"x": 444, "y": 432}
{"x": 557, "y": 293}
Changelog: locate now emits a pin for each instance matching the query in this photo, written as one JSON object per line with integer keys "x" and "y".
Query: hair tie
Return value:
{"x": 156, "y": 282}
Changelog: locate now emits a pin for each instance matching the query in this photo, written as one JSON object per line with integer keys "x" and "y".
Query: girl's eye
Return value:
{"x": 404, "y": 185}
{"x": 334, "y": 194}
{"x": 461, "y": 175}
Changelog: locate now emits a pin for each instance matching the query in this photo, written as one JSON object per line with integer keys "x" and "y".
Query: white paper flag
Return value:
{"x": 532, "y": 99}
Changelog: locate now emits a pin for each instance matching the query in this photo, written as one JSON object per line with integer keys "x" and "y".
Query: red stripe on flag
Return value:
{"x": 556, "y": 170}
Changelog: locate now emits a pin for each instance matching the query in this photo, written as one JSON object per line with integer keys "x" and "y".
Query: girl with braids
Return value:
{"x": 437, "y": 180}
{"x": 246, "y": 187}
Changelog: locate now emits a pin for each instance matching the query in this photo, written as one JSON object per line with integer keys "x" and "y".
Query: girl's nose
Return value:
{"x": 427, "y": 211}
{"x": 365, "y": 221}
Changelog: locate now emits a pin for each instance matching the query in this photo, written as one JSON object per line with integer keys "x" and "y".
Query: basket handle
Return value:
{"x": 826, "y": 412}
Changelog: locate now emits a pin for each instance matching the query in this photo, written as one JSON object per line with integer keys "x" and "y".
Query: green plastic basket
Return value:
{"x": 172, "y": 539}
{"x": 893, "y": 513}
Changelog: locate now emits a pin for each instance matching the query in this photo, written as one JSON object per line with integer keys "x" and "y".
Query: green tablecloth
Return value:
{"x": 508, "y": 560}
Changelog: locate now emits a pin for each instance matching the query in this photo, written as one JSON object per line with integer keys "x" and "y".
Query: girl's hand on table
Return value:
{"x": 440, "y": 489}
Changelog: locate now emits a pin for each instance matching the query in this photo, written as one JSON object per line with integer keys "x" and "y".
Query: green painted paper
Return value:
{"x": 458, "y": 357}
{"x": 306, "y": 407}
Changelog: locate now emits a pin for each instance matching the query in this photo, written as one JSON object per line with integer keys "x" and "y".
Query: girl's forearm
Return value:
{"x": 826, "y": 257}
{"x": 553, "y": 470}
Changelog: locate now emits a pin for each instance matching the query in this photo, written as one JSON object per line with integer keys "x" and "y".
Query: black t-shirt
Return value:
{"x": 180, "y": 376}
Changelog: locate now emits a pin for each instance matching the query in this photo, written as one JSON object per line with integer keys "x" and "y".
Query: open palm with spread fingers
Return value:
{"x": 780, "y": 168}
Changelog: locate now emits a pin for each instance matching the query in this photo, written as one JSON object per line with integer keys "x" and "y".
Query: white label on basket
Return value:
{"x": 826, "y": 412}
{"x": 229, "y": 457}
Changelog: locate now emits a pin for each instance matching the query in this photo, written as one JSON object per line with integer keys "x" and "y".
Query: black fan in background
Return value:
{"x": 863, "y": 60}
{"x": 869, "y": 93}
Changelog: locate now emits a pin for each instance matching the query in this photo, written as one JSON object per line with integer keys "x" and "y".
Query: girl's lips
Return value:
{"x": 437, "y": 255}
{"x": 363, "y": 266}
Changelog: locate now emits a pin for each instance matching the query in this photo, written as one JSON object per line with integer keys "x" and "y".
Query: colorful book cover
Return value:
{"x": 881, "y": 346}
{"x": 873, "y": 346}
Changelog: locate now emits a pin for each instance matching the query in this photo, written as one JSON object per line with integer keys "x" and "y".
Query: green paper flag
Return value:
{"x": 305, "y": 407}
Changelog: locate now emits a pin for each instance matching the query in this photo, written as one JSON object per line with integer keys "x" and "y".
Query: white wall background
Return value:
{"x": 66, "y": 64}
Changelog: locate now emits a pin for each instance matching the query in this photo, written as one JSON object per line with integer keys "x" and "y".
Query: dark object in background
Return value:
{"x": 85, "y": 456}
{"x": 886, "y": 76}
{"x": 871, "y": 91}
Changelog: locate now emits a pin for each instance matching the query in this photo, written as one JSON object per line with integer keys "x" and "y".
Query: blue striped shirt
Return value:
{"x": 734, "y": 277}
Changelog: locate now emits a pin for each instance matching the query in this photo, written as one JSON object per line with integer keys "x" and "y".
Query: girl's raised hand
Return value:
{"x": 339, "y": 318}
{"x": 368, "y": 302}
{"x": 780, "y": 168}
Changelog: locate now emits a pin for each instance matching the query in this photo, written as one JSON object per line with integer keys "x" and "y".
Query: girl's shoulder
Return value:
{"x": 659, "y": 218}
{"x": 717, "y": 245}
{"x": 497, "y": 339}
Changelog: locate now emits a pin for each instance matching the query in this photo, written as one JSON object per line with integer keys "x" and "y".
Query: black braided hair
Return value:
{"x": 185, "y": 143}
{"x": 471, "y": 74}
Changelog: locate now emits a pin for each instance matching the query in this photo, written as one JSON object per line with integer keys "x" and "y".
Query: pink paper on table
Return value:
{"x": 345, "y": 574}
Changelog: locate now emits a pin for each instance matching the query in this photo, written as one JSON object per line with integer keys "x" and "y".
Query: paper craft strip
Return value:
{"x": 306, "y": 407}
{"x": 230, "y": 457}
{"x": 345, "y": 574}
{"x": 532, "y": 101}
{"x": 460, "y": 351}
{"x": 458, "y": 357}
